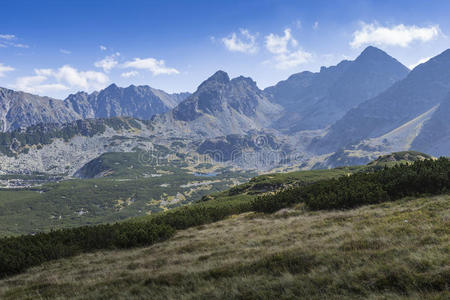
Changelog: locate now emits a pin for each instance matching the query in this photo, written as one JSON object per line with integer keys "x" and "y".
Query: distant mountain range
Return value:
{"x": 411, "y": 114}
{"x": 317, "y": 100}
{"x": 19, "y": 109}
{"x": 221, "y": 106}
{"x": 345, "y": 114}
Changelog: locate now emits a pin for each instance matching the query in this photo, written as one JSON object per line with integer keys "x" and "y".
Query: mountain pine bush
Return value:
{"x": 419, "y": 178}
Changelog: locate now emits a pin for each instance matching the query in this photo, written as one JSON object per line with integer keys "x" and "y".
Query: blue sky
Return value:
{"x": 59, "y": 47}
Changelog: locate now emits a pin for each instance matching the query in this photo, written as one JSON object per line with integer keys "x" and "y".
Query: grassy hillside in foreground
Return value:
{"x": 391, "y": 250}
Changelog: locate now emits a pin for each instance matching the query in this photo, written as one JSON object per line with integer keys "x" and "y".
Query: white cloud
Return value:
{"x": 398, "y": 35}
{"x": 129, "y": 74}
{"x": 421, "y": 61}
{"x": 66, "y": 78}
{"x": 103, "y": 48}
{"x": 108, "y": 62}
{"x": 64, "y": 51}
{"x": 20, "y": 45}
{"x": 292, "y": 59}
{"x": 153, "y": 65}
{"x": 298, "y": 24}
{"x": 7, "y": 36}
{"x": 279, "y": 44}
{"x": 7, "y": 40}
{"x": 316, "y": 25}
{"x": 82, "y": 79}
{"x": 246, "y": 43}
{"x": 36, "y": 85}
{"x": 286, "y": 51}
{"x": 4, "y": 69}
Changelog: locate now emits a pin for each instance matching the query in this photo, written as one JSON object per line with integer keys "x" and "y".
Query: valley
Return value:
{"x": 117, "y": 186}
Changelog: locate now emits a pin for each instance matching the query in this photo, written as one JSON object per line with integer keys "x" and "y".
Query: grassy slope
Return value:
{"x": 271, "y": 182}
{"x": 394, "y": 250}
{"x": 399, "y": 157}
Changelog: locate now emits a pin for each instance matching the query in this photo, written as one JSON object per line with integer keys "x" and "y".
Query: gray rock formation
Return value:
{"x": 142, "y": 102}
{"x": 317, "y": 100}
{"x": 219, "y": 107}
{"x": 19, "y": 109}
{"x": 424, "y": 88}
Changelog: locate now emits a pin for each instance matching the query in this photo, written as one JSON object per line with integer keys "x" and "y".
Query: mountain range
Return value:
{"x": 317, "y": 100}
{"x": 19, "y": 109}
{"x": 408, "y": 115}
{"x": 222, "y": 106}
{"x": 344, "y": 114}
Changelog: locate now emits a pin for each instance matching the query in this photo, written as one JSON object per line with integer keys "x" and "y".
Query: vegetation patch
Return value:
{"x": 20, "y": 253}
{"x": 419, "y": 178}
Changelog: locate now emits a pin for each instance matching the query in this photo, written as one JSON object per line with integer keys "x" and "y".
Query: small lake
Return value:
{"x": 212, "y": 174}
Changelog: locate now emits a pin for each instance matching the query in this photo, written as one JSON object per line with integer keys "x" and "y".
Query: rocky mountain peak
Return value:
{"x": 373, "y": 57}
{"x": 112, "y": 89}
{"x": 226, "y": 106}
{"x": 414, "y": 96}
{"x": 219, "y": 76}
{"x": 372, "y": 51}
{"x": 244, "y": 80}
{"x": 112, "y": 86}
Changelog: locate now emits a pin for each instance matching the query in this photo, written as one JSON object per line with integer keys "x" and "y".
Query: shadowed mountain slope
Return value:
{"x": 317, "y": 100}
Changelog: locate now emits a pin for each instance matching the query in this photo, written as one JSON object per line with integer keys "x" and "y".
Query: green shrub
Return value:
{"x": 20, "y": 253}
{"x": 421, "y": 177}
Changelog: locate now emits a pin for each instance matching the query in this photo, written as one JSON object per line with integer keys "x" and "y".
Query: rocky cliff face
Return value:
{"x": 142, "y": 102}
{"x": 221, "y": 106}
{"x": 64, "y": 149}
{"x": 317, "y": 100}
{"x": 407, "y": 100}
{"x": 18, "y": 109}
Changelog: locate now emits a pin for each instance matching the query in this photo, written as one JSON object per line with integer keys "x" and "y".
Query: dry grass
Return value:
{"x": 394, "y": 250}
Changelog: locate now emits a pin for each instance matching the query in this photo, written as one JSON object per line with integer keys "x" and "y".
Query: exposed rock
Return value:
{"x": 19, "y": 109}
{"x": 424, "y": 88}
{"x": 219, "y": 107}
